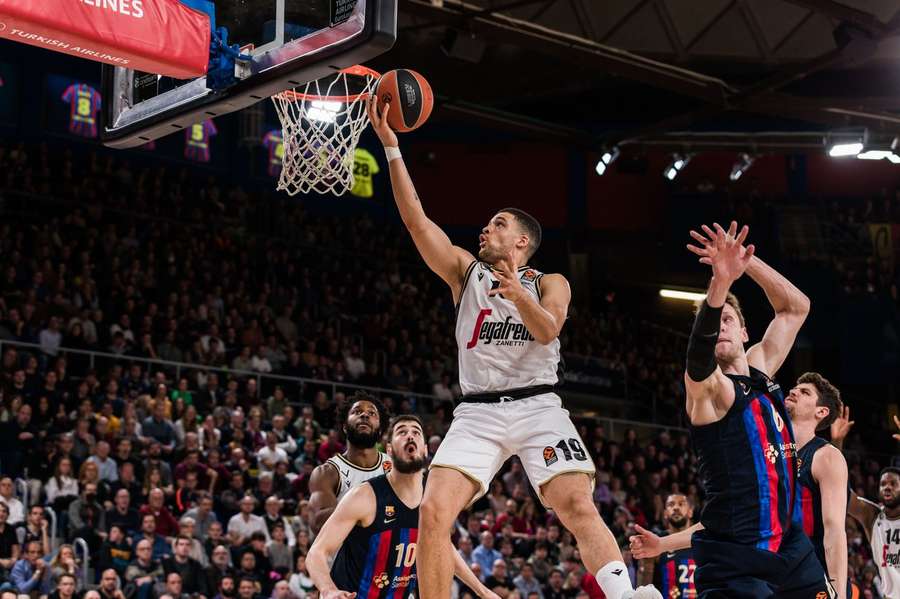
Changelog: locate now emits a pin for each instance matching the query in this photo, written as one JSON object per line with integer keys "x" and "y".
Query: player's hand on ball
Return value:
{"x": 510, "y": 287}
{"x": 337, "y": 594}
{"x": 380, "y": 123}
{"x": 645, "y": 544}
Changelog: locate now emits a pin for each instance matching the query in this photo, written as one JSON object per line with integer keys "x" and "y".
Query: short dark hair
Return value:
{"x": 343, "y": 410}
{"x": 404, "y": 418}
{"x": 889, "y": 470}
{"x": 829, "y": 397}
{"x": 66, "y": 575}
{"x": 530, "y": 226}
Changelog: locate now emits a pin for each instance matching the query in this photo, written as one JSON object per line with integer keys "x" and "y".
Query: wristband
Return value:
{"x": 392, "y": 153}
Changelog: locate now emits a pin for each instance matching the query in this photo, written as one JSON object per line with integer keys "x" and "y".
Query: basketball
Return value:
{"x": 410, "y": 97}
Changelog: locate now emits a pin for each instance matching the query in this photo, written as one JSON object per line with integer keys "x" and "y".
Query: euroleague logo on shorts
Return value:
{"x": 550, "y": 456}
{"x": 498, "y": 332}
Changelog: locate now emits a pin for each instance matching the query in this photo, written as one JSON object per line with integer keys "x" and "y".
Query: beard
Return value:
{"x": 678, "y": 523}
{"x": 359, "y": 439}
{"x": 892, "y": 503}
{"x": 408, "y": 466}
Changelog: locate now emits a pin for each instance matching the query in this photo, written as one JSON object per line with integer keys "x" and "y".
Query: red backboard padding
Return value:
{"x": 155, "y": 36}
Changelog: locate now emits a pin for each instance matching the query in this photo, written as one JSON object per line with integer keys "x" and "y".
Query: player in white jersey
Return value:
{"x": 881, "y": 524}
{"x": 364, "y": 420}
{"x": 509, "y": 317}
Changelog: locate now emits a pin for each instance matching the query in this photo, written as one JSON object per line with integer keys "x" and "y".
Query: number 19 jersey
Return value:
{"x": 379, "y": 561}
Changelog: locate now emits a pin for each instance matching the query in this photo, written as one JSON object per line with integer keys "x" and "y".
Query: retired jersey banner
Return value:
{"x": 155, "y": 36}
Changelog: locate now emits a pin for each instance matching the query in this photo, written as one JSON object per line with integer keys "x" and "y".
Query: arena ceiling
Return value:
{"x": 639, "y": 70}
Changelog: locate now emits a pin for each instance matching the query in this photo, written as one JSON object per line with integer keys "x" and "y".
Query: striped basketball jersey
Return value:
{"x": 674, "y": 576}
{"x": 747, "y": 465}
{"x": 379, "y": 561}
{"x": 84, "y": 104}
{"x": 496, "y": 351}
{"x": 352, "y": 475}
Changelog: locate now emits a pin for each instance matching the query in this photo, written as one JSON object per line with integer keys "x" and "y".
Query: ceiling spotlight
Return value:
{"x": 679, "y": 161}
{"x": 743, "y": 164}
{"x": 879, "y": 155}
{"x": 679, "y": 294}
{"x": 608, "y": 157}
{"x": 839, "y": 150}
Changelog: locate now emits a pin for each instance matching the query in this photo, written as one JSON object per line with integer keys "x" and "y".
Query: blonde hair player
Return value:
{"x": 509, "y": 317}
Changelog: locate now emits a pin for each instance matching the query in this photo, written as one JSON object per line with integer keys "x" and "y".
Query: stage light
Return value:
{"x": 692, "y": 296}
{"x": 745, "y": 161}
{"x": 608, "y": 157}
{"x": 879, "y": 155}
{"x": 679, "y": 161}
{"x": 845, "y": 149}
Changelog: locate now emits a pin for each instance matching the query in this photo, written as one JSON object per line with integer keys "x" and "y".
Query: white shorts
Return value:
{"x": 536, "y": 429}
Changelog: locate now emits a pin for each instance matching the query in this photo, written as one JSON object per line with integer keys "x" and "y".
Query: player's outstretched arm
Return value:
{"x": 463, "y": 572}
{"x": 445, "y": 259}
{"x": 648, "y": 545}
{"x": 829, "y": 469}
{"x": 322, "y": 499}
{"x": 709, "y": 392}
{"x": 863, "y": 511}
{"x": 791, "y": 309}
{"x": 358, "y": 507}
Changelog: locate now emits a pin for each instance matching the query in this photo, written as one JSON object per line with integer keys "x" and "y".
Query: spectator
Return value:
{"x": 219, "y": 569}
{"x": 116, "y": 552}
{"x": 148, "y": 533}
{"x": 554, "y": 588}
{"x": 88, "y": 498}
{"x": 186, "y": 528}
{"x": 36, "y": 528}
{"x": 301, "y": 583}
{"x": 192, "y": 578}
{"x": 9, "y": 543}
{"x": 278, "y": 551}
{"x": 65, "y": 564}
{"x": 172, "y": 587}
{"x": 122, "y": 514}
{"x": 271, "y": 454}
{"x": 243, "y": 524}
{"x": 226, "y": 588}
{"x": 202, "y": 515}
{"x": 31, "y": 573}
{"x": 143, "y": 572}
{"x": 109, "y": 585}
{"x": 526, "y": 582}
{"x": 159, "y": 428}
{"x": 106, "y": 466}
{"x": 247, "y": 589}
{"x": 62, "y": 488}
{"x": 485, "y": 555}
{"x": 498, "y": 580}
{"x": 166, "y": 524}
{"x": 13, "y": 505}
{"x": 281, "y": 590}
{"x": 66, "y": 585}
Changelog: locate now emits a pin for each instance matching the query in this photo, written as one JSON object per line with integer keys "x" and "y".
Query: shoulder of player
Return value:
{"x": 360, "y": 502}
{"x": 322, "y": 475}
{"x": 828, "y": 461}
{"x": 552, "y": 281}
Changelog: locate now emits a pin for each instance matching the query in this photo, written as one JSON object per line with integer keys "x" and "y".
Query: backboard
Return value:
{"x": 290, "y": 42}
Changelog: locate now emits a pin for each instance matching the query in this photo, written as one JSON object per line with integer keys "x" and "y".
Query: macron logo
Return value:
{"x": 617, "y": 572}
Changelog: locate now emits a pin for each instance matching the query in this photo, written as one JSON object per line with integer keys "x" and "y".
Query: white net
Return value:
{"x": 321, "y": 124}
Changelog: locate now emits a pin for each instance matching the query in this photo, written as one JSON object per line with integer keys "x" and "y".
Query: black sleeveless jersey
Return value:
{"x": 747, "y": 464}
{"x": 811, "y": 498}
{"x": 379, "y": 561}
{"x": 674, "y": 575}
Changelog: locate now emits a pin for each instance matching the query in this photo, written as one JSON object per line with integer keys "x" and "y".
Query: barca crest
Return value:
{"x": 389, "y": 511}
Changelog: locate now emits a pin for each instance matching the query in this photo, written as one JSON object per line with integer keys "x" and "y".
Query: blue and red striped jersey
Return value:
{"x": 674, "y": 575}
{"x": 84, "y": 104}
{"x": 379, "y": 561}
{"x": 197, "y": 139}
{"x": 747, "y": 464}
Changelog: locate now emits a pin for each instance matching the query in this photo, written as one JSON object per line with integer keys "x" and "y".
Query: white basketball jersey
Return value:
{"x": 352, "y": 475}
{"x": 886, "y": 554}
{"x": 496, "y": 351}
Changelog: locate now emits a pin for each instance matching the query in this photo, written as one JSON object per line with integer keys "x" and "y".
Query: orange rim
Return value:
{"x": 356, "y": 70}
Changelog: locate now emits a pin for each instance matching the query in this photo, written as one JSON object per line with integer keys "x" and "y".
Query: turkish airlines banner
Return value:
{"x": 156, "y": 36}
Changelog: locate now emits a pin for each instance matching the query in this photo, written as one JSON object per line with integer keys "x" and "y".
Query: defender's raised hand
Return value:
{"x": 724, "y": 250}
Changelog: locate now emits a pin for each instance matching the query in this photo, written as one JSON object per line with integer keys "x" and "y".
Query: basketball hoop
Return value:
{"x": 321, "y": 123}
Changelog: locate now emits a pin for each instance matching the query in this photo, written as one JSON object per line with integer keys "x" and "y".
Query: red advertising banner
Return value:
{"x": 156, "y": 36}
